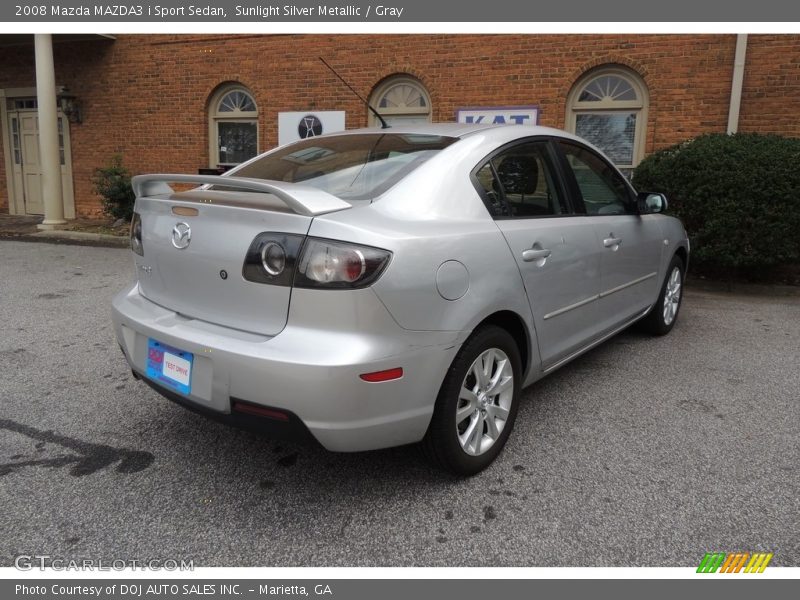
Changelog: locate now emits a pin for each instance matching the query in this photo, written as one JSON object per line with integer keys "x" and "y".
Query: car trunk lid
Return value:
{"x": 195, "y": 243}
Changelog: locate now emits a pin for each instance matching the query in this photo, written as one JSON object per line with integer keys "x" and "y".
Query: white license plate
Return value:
{"x": 169, "y": 366}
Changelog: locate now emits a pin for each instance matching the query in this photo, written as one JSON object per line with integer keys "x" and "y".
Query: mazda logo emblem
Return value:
{"x": 181, "y": 235}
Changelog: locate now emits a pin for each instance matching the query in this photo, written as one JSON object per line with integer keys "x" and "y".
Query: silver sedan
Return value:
{"x": 383, "y": 287}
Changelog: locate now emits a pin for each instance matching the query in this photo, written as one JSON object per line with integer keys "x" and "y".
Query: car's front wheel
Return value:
{"x": 664, "y": 313}
{"x": 477, "y": 403}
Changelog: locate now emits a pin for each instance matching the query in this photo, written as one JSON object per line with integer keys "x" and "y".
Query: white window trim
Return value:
{"x": 215, "y": 117}
{"x": 640, "y": 106}
{"x": 382, "y": 88}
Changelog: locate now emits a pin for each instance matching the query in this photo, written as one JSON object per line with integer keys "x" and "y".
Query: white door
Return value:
{"x": 26, "y": 163}
{"x": 31, "y": 167}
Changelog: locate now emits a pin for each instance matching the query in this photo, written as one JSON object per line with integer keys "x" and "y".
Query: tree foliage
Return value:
{"x": 737, "y": 195}
{"x": 113, "y": 184}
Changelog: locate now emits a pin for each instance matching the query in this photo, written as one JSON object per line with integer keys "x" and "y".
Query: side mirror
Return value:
{"x": 651, "y": 202}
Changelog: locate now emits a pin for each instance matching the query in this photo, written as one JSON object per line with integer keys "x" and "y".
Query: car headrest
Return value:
{"x": 519, "y": 174}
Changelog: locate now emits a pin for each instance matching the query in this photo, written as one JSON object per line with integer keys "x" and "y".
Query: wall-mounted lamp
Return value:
{"x": 70, "y": 106}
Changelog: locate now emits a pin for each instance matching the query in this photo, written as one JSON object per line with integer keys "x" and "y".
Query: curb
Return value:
{"x": 75, "y": 238}
{"x": 745, "y": 289}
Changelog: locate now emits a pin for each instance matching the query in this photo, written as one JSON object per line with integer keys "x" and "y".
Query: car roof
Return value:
{"x": 443, "y": 129}
{"x": 463, "y": 130}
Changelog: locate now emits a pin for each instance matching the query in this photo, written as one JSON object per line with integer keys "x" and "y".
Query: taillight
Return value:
{"x": 271, "y": 258}
{"x": 339, "y": 265}
{"x": 136, "y": 234}
{"x": 289, "y": 259}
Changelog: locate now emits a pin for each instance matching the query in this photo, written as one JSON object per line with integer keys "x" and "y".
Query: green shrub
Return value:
{"x": 737, "y": 195}
{"x": 113, "y": 184}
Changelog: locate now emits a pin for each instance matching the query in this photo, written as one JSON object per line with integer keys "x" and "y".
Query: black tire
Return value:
{"x": 655, "y": 322}
{"x": 441, "y": 444}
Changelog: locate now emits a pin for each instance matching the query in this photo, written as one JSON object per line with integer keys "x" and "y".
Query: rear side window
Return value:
{"x": 518, "y": 182}
{"x": 352, "y": 167}
{"x": 602, "y": 188}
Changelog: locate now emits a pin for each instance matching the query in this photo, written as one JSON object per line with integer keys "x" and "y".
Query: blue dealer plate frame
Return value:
{"x": 158, "y": 369}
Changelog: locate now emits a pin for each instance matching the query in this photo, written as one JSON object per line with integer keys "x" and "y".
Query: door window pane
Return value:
{"x": 603, "y": 190}
{"x": 15, "y": 136}
{"x": 518, "y": 183}
{"x": 491, "y": 191}
{"x": 236, "y": 141}
{"x": 61, "y": 139}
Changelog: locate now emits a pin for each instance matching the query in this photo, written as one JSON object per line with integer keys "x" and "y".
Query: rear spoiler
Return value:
{"x": 302, "y": 199}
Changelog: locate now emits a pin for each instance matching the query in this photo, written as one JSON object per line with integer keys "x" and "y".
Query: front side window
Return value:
{"x": 608, "y": 108}
{"x": 233, "y": 127}
{"x": 351, "y": 167}
{"x": 603, "y": 190}
{"x": 518, "y": 183}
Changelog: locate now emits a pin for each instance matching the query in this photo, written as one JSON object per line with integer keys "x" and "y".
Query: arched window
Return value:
{"x": 401, "y": 100}
{"x": 233, "y": 126}
{"x": 608, "y": 107}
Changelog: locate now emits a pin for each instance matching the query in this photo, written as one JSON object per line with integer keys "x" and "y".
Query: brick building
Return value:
{"x": 176, "y": 103}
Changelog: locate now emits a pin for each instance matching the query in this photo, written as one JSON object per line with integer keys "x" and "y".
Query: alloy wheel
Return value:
{"x": 672, "y": 296}
{"x": 484, "y": 401}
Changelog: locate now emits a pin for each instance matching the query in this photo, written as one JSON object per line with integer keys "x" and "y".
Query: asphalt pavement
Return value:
{"x": 644, "y": 452}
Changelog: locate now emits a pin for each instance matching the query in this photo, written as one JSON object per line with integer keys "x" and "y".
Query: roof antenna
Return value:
{"x": 384, "y": 124}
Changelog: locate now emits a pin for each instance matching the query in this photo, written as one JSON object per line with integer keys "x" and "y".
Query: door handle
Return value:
{"x": 531, "y": 254}
{"x": 610, "y": 242}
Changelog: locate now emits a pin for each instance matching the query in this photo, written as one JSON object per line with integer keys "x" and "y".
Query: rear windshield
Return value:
{"x": 351, "y": 167}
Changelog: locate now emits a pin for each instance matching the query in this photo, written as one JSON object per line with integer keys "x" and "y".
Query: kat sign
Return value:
{"x": 499, "y": 115}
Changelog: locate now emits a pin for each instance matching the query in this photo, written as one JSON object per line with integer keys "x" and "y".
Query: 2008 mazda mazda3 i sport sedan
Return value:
{"x": 382, "y": 287}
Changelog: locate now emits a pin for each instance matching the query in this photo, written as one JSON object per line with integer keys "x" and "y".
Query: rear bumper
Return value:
{"x": 292, "y": 428}
{"x": 310, "y": 371}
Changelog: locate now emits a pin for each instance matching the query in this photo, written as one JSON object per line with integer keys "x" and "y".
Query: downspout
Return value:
{"x": 736, "y": 84}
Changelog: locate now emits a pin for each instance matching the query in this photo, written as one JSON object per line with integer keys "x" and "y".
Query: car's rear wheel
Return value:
{"x": 477, "y": 403}
{"x": 661, "y": 318}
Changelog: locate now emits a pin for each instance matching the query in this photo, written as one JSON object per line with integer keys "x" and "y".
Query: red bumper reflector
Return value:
{"x": 386, "y": 375}
{"x": 259, "y": 411}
